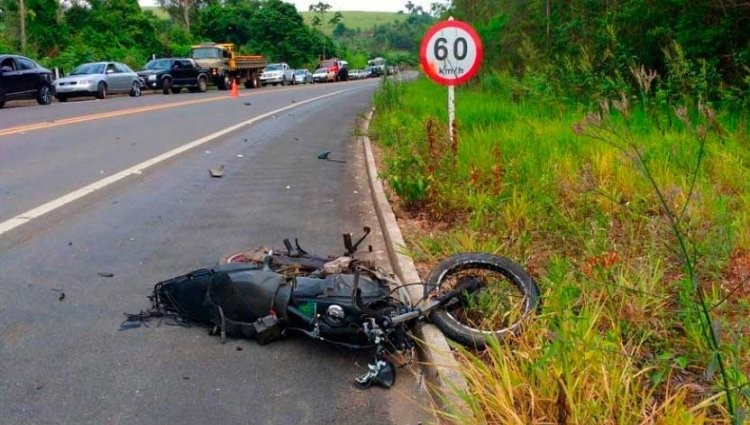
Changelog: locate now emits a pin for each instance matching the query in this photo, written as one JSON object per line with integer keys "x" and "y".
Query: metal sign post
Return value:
{"x": 452, "y": 113}
{"x": 451, "y": 54}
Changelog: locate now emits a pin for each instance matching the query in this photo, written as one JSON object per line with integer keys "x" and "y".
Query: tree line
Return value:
{"x": 592, "y": 49}
{"x": 65, "y": 33}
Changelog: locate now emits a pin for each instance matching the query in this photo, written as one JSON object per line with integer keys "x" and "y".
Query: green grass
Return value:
{"x": 353, "y": 19}
{"x": 619, "y": 339}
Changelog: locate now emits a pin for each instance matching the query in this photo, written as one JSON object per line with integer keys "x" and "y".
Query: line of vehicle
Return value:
{"x": 137, "y": 169}
{"x": 112, "y": 114}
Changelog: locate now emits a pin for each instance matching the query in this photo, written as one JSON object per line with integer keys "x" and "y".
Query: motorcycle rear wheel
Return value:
{"x": 494, "y": 307}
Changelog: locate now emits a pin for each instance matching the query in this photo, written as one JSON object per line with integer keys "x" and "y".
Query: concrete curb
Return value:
{"x": 439, "y": 365}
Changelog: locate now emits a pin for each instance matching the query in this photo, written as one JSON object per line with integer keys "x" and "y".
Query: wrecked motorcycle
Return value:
{"x": 265, "y": 294}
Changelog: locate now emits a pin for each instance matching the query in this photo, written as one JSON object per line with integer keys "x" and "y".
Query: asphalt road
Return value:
{"x": 65, "y": 362}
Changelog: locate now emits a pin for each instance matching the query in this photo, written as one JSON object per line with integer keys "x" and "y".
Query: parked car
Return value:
{"x": 374, "y": 72}
{"x": 277, "y": 73}
{"x": 302, "y": 76}
{"x": 22, "y": 78}
{"x": 174, "y": 74}
{"x": 98, "y": 79}
{"x": 323, "y": 75}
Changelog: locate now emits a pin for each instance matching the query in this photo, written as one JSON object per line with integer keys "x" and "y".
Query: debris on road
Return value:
{"x": 326, "y": 156}
{"x": 216, "y": 172}
{"x": 239, "y": 155}
{"x": 248, "y": 104}
{"x": 106, "y": 274}
{"x": 62, "y": 296}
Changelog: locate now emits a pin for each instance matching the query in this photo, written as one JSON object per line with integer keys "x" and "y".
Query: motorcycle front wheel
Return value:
{"x": 498, "y": 295}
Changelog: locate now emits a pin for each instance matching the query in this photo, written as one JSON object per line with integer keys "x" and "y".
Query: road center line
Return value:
{"x": 121, "y": 112}
{"x": 137, "y": 169}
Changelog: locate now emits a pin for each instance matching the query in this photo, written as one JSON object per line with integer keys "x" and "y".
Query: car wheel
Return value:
{"x": 135, "y": 91}
{"x": 176, "y": 90}
{"x": 44, "y": 95}
{"x": 101, "y": 90}
{"x": 202, "y": 84}
{"x": 166, "y": 85}
{"x": 62, "y": 98}
{"x": 2, "y": 103}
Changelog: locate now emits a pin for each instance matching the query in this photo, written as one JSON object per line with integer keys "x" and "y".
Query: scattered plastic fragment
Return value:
{"x": 216, "y": 172}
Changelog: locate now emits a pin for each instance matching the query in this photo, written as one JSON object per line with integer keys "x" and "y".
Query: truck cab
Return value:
{"x": 337, "y": 66}
{"x": 225, "y": 65}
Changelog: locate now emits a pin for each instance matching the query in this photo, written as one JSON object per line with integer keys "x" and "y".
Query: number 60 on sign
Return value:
{"x": 451, "y": 53}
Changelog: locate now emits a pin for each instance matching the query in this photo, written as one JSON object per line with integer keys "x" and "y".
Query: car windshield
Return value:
{"x": 299, "y": 71}
{"x": 158, "y": 64}
{"x": 205, "y": 53}
{"x": 89, "y": 68}
{"x": 321, "y": 71}
{"x": 274, "y": 67}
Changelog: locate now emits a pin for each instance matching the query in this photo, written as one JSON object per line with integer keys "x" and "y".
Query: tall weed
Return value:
{"x": 619, "y": 339}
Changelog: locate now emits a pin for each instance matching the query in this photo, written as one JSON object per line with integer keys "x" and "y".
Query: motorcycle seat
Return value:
{"x": 309, "y": 287}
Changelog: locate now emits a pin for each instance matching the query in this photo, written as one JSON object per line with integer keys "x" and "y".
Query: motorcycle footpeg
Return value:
{"x": 268, "y": 329}
{"x": 381, "y": 373}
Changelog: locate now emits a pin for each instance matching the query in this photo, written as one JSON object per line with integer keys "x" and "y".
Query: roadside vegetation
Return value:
{"x": 615, "y": 168}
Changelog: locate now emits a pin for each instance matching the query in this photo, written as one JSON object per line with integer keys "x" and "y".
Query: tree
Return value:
{"x": 340, "y": 30}
{"x": 337, "y": 17}
{"x": 180, "y": 10}
{"x": 320, "y": 9}
{"x": 22, "y": 23}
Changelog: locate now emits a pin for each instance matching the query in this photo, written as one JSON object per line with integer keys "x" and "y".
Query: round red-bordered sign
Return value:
{"x": 451, "y": 53}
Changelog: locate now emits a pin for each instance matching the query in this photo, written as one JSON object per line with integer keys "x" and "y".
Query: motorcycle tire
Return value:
{"x": 463, "y": 333}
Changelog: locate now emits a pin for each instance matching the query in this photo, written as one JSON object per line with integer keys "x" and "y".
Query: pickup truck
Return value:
{"x": 173, "y": 74}
{"x": 277, "y": 73}
{"x": 225, "y": 65}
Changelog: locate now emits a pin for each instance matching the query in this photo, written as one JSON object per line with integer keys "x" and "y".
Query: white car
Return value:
{"x": 277, "y": 73}
{"x": 323, "y": 75}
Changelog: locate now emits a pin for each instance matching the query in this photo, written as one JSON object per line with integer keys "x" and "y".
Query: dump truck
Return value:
{"x": 225, "y": 64}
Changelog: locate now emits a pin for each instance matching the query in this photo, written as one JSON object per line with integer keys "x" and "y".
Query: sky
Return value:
{"x": 369, "y": 5}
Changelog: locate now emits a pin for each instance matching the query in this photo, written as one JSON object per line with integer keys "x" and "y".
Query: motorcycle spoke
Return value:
{"x": 496, "y": 304}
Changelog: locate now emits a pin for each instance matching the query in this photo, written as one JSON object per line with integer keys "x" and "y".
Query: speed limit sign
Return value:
{"x": 451, "y": 52}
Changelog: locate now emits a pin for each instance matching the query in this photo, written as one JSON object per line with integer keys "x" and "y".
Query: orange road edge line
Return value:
{"x": 112, "y": 114}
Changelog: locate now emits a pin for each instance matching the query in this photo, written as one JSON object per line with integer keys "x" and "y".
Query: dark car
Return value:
{"x": 171, "y": 75}
{"x": 22, "y": 78}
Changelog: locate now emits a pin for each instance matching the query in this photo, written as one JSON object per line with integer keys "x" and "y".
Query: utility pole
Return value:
{"x": 22, "y": 23}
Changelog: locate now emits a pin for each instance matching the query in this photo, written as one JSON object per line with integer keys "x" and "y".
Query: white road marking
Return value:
{"x": 137, "y": 169}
